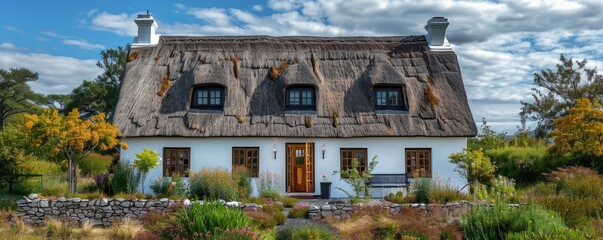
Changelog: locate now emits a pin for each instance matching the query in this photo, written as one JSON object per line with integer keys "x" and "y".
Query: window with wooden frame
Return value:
{"x": 388, "y": 98}
{"x": 176, "y": 160}
{"x": 347, "y": 155}
{"x": 208, "y": 98}
{"x": 300, "y": 98}
{"x": 418, "y": 162}
{"x": 246, "y": 158}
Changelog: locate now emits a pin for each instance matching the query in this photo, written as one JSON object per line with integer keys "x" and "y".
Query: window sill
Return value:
{"x": 300, "y": 112}
{"x": 205, "y": 110}
{"x": 389, "y": 111}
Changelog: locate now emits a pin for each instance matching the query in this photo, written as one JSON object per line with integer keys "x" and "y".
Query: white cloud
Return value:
{"x": 57, "y": 74}
{"x": 13, "y": 29}
{"x": 122, "y": 24}
{"x": 258, "y": 8}
{"x": 7, "y": 46}
{"x": 83, "y": 44}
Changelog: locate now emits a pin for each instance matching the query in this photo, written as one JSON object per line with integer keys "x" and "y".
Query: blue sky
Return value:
{"x": 499, "y": 43}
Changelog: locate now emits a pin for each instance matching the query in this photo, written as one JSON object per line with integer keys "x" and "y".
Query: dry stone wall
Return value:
{"x": 453, "y": 211}
{"x": 99, "y": 212}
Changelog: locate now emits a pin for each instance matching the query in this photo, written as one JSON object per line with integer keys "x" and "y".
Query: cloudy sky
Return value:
{"x": 499, "y": 43}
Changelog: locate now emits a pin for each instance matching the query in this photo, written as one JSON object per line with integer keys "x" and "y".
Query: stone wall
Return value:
{"x": 99, "y": 212}
{"x": 453, "y": 211}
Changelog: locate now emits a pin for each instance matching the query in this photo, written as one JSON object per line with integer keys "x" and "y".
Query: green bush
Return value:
{"x": 276, "y": 211}
{"x": 576, "y": 193}
{"x": 125, "y": 179}
{"x": 421, "y": 190}
{"x": 244, "y": 182}
{"x": 263, "y": 220}
{"x": 95, "y": 164}
{"x": 299, "y": 211}
{"x": 208, "y": 217}
{"x": 524, "y": 164}
{"x": 270, "y": 185}
{"x": 8, "y": 205}
{"x": 443, "y": 192}
{"x": 213, "y": 184}
{"x": 289, "y": 202}
{"x": 169, "y": 187}
{"x": 501, "y": 220}
{"x": 305, "y": 231}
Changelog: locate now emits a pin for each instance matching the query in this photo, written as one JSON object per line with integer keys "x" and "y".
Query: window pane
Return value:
{"x": 216, "y": 97}
{"x": 294, "y": 97}
{"x": 307, "y": 97}
{"x": 381, "y": 98}
{"x": 202, "y": 98}
{"x": 393, "y": 98}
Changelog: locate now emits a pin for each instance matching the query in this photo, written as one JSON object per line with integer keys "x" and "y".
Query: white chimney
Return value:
{"x": 146, "y": 30}
{"x": 436, "y": 34}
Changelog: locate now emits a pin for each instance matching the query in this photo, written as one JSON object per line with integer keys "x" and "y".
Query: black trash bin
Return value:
{"x": 325, "y": 190}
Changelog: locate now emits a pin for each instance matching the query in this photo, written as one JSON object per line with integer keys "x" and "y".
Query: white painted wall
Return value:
{"x": 217, "y": 152}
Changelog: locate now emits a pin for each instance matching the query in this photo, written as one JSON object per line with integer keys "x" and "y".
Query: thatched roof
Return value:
{"x": 343, "y": 70}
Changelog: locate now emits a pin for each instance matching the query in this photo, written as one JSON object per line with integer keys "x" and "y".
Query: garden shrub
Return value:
{"x": 276, "y": 211}
{"x": 443, "y": 192}
{"x": 95, "y": 164}
{"x": 421, "y": 190}
{"x": 474, "y": 166}
{"x": 289, "y": 202}
{"x": 243, "y": 181}
{"x": 213, "y": 184}
{"x": 169, "y": 187}
{"x": 305, "y": 231}
{"x": 125, "y": 178}
{"x": 299, "y": 211}
{"x": 359, "y": 181}
{"x": 399, "y": 198}
{"x": 263, "y": 220}
{"x": 576, "y": 193}
{"x": 209, "y": 217}
{"x": 524, "y": 164}
{"x": 270, "y": 184}
{"x": 501, "y": 220}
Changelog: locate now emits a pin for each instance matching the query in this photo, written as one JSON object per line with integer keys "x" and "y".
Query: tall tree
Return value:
{"x": 100, "y": 95}
{"x": 15, "y": 95}
{"x": 558, "y": 89}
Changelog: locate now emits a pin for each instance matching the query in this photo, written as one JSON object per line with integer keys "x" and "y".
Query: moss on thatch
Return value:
{"x": 235, "y": 61}
{"x": 165, "y": 85}
{"x": 431, "y": 97}
{"x": 309, "y": 121}
{"x": 157, "y": 58}
{"x": 315, "y": 68}
{"x": 274, "y": 74}
{"x": 240, "y": 118}
{"x": 335, "y": 120}
{"x": 132, "y": 56}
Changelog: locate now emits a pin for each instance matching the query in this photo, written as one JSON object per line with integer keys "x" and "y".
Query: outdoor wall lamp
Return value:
{"x": 324, "y": 149}
{"x": 274, "y": 150}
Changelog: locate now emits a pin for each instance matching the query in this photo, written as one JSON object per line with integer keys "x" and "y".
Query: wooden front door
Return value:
{"x": 300, "y": 167}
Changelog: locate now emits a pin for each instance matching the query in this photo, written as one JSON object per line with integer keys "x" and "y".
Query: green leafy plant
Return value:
{"x": 422, "y": 188}
{"x": 359, "y": 181}
{"x": 442, "y": 191}
{"x": 214, "y": 183}
{"x": 270, "y": 184}
{"x": 305, "y": 231}
{"x": 125, "y": 178}
{"x": 289, "y": 202}
{"x": 299, "y": 211}
{"x": 243, "y": 181}
{"x": 501, "y": 221}
{"x": 474, "y": 166}
{"x": 209, "y": 217}
{"x": 95, "y": 164}
{"x": 145, "y": 161}
{"x": 169, "y": 187}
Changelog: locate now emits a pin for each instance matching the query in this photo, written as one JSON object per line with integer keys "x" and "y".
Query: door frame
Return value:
{"x": 310, "y": 167}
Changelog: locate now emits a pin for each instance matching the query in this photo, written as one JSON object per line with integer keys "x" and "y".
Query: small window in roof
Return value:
{"x": 300, "y": 98}
{"x": 388, "y": 98}
{"x": 208, "y": 98}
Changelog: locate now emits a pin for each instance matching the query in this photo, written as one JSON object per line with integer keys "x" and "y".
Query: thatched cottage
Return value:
{"x": 302, "y": 107}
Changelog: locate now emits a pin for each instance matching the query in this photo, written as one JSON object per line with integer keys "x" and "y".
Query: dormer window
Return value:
{"x": 388, "y": 98}
{"x": 300, "y": 98}
{"x": 208, "y": 98}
